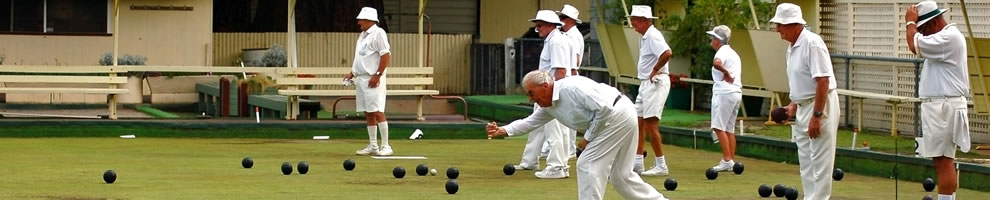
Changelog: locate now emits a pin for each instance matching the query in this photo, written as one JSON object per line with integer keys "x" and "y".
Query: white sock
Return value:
{"x": 383, "y": 126}
{"x": 947, "y": 197}
{"x": 660, "y": 161}
{"x": 373, "y": 134}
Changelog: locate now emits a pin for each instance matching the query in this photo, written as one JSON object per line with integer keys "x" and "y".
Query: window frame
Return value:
{"x": 44, "y": 22}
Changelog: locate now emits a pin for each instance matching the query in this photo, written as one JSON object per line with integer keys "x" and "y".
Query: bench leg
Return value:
{"x": 113, "y": 106}
{"x": 295, "y": 108}
{"x": 859, "y": 115}
{"x": 419, "y": 108}
{"x": 202, "y": 103}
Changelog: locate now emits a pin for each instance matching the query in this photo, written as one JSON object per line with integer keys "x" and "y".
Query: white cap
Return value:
{"x": 570, "y": 12}
{"x": 928, "y": 10}
{"x": 368, "y": 13}
{"x": 788, "y": 13}
{"x": 720, "y": 32}
{"x": 641, "y": 11}
{"x": 547, "y": 16}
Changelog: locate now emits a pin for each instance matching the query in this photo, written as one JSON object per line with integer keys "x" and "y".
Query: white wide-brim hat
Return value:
{"x": 788, "y": 13}
{"x": 368, "y": 13}
{"x": 641, "y": 11}
{"x": 928, "y": 10}
{"x": 547, "y": 16}
{"x": 570, "y": 12}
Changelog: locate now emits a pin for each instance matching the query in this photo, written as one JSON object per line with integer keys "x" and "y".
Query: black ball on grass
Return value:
{"x": 927, "y": 197}
{"x": 929, "y": 184}
{"x": 711, "y": 174}
{"x": 303, "y": 167}
{"x": 792, "y": 193}
{"x": 765, "y": 190}
{"x": 738, "y": 168}
{"x": 779, "y": 190}
{"x": 453, "y": 173}
{"x": 110, "y": 176}
{"x": 286, "y": 168}
{"x": 399, "y": 172}
{"x": 508, "y": 169}
{"x": 349, "y": 165}
{"x": 422, "y": 170}
{"x": 452, "y": 186}
{"x": 247, "y": 163}
{"x": 837, "y": 174}
{"x": 670, "y": 184}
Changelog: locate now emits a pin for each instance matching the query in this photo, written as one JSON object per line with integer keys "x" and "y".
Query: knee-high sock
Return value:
{"x": 383, "y": 127}
{"x": 373, "y": 135}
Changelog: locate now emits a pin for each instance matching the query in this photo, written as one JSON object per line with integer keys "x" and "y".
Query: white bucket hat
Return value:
{"x": 368, "y": 13}
{"x": 928, "y": 10}
{"x": 641, "y": 11}
{"x": 570, "y": 12}
{"x": 720, "y": 32}
{"x": 547, "y": 16}
{"x": 788, "y": 13}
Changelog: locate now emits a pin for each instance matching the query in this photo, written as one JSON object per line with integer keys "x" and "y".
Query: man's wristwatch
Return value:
{"x": 377, "y": 74}
{"x": 817, "y": 114}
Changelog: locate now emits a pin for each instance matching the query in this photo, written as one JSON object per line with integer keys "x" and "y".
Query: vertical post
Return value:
{"x": 116, "y": 37}
{"x": 848, "y": 85}
{"x": 893, "y": 119}
{"x": 292, "y": 58}
{"x": 752, "y": 10}
{"x": 626, "y": 9}
{"x": 224, "y": 97}
{"x": 419, "y": 108}
{"x": 859, "y": 115}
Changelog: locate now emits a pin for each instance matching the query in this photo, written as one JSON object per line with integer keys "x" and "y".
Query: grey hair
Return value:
{"x": 537, "y": 77}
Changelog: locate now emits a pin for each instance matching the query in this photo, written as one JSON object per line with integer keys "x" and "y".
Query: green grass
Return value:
{"x": 683, "y": 118}
{"x": 154, "y": 168}
{"x": 501, "y": 99}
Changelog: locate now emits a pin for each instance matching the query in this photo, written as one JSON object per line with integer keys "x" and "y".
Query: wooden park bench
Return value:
{"x": 66, "y": 80}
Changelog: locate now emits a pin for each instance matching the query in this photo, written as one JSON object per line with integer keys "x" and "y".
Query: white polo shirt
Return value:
{"x": 807, "y": 59}
{"x": 556, "y": 52}
{"x": 732, "y": 63}
{"x": 578, "y": 44}
{"x": 651, "y": 46}
{"x": 577, "y": 103}
{"x": 945, "y": 73}
{"x": 371, "y": 46}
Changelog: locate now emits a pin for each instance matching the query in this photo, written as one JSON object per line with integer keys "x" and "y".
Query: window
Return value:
{"x": 54, "y": 16}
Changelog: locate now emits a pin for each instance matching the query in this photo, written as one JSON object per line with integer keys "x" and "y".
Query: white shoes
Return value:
{"x": 385, "y": 151}
{"x": 638, "y": 164}
{"x": 520, "y": 167}
{"x": 553, "y": 172}
{"x": 724, "y": 166}
{"x": 370, "y": 149}
{"x": 658, "y": 170}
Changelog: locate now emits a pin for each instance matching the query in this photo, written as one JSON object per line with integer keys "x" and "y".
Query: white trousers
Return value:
{"x": 551, "y": 131}
{"x": 817, "y": 156}
{"x": 609, "y": 157}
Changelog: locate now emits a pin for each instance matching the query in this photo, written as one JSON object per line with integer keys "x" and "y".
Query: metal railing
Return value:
{"x": 848, "y": 80}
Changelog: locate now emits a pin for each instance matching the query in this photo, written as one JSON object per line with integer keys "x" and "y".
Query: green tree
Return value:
{"x": 689, "y": 31}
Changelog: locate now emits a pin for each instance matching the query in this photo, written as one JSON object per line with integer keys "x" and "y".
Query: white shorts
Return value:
{"x": 369, "y": 99}
{"x": 652, "y": 96}
{"x": 725, "y": 108}
{"x": 944, "y": 124}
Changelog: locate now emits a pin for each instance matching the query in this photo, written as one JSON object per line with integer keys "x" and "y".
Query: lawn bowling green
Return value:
{"x": 151, "y": 168}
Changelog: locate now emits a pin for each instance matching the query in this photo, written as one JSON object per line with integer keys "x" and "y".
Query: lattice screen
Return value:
{"x": 876, "y": 28}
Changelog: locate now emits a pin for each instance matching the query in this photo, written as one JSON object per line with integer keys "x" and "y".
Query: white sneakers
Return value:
{"x": 385, "y": 151}
{"x": 657, "y": 170}
{"x": 553, "y": 172}
{"x": 724, "y": 166}
{"x": 638, "y": 164}
{"x": 372, "y": 149}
